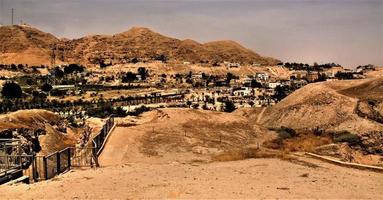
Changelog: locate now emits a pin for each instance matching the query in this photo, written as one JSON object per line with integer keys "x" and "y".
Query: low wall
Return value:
{"x": 346, "y": 164}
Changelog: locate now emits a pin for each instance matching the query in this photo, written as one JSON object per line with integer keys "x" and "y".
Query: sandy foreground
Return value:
{"x": 254, "y": 178}
{"x": 130, "y": 174}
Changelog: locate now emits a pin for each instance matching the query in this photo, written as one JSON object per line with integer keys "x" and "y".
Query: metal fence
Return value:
{"x": 84, "y": 157}
{"x": 99, "y": 139}
{"x": 46, "y": 167}
{"x": 10, "y": 155}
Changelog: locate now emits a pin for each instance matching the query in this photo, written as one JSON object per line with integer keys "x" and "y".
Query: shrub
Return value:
{"x": 286, "y": 132}
{"x": 46, "y": 87}
{"x": 229, "y": 107}
{"x": 195, "y": 106}
{"x": 346, "y": 136}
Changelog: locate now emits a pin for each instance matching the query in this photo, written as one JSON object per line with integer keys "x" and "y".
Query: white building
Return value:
{"x": 273, "y": 85}
{"x": 262, "y": 76}
{"x": 244, "y": 91}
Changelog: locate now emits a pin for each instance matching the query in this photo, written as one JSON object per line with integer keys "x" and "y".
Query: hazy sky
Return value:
{"x": 349, "y": 32}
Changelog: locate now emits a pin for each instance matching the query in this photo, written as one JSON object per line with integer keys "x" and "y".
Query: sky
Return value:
{"x": 348, "y": 32}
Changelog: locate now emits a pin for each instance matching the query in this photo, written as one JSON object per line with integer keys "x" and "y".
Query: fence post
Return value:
{"x": 45, "y": 168}
{"x": 58, "y": 162}
{"x": 34, "y": 167}
{"x": 69, "y": 158}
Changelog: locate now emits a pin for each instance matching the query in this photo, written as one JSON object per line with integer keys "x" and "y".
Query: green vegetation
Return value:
{"x": 346, "y": 136}
{"x": 11, "y": 90}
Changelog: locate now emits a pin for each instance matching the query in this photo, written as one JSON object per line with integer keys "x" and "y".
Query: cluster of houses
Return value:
{"x": 207, "y": 91}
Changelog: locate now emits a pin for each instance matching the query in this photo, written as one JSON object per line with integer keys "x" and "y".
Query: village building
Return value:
{"x": 232, "y": 65}
{"x": 243, "y": 92}
{"x": 312, "y": 76}
{"x": 299, "y": 74}
{"x": 262, "y": 76}
{"x": 273, "y": 85}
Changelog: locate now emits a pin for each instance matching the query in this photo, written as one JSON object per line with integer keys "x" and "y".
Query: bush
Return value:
{"x": 46, "y": 87}
{"x": 286, "y": 132}
{"x": 139, "y": 111}
{"x": 229, "y": 107}
{"x": 346, "y": 136}
{"x": 195, "y": 106}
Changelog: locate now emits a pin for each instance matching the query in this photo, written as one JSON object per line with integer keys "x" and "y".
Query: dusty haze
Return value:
{"x": 348, "y": 32}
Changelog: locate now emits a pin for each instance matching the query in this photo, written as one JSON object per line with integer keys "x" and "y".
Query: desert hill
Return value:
{"x": 353, "y": 106}
{"x": 327, "y": 105}
{"x": 27, "y": 45}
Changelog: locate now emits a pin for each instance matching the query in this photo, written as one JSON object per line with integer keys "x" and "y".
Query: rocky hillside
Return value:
{"x": 26, "y": 45}
{"x": 23, "y": 44}
{"x": 339, "y": 110}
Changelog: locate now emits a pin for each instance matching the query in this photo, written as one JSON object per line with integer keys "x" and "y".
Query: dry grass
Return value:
{"x": 249, "y": 153}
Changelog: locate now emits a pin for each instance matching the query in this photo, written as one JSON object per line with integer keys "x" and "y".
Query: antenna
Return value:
{"x": 13, "y": 10}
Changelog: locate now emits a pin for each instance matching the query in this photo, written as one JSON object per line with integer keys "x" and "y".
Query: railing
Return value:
{"x": 10, "y": 155}
{"x": 46, "y": 167}
{"x": 99, "y": 139}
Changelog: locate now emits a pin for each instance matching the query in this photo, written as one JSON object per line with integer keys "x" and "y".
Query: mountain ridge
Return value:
{"x": 28, "y": 45}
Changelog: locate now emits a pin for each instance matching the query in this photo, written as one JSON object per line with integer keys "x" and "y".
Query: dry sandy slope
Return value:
{"x": 327, "y": 105}
{"x": 256, "y": 178}
{"x": 150, "y": 157}
{"x": 181, "y": 133}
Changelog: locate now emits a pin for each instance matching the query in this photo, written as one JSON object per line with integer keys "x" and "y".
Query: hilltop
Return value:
{"x": 27, "y": 45}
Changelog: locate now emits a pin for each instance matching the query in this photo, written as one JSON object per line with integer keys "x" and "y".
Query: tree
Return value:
{"x": 255, "y": 84}
{"x": 229, "y": 77}
{"x": 46, "y": 87}
{"x": 281, "y": 92}
{"x": 229, "y": 106}
{"x": 143, "y": 72}
{"x": 11, "y": 90}
{"x": 135, "y": 61}
{"x": 129, "y": 77}
{"x": 162, "y": 58}
{"x": 73, "y": 68}
{"x": 102, "y": 64}
{"x": 58, "y": 72}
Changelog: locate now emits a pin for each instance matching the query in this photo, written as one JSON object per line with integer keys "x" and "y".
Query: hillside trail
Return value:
{"x": 119, "y": 142}
{"x": 260, "y": 115}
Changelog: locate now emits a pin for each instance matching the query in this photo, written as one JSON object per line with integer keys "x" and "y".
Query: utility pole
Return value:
{"x": 2, "y": 21}
{"x": 13, "y": 10}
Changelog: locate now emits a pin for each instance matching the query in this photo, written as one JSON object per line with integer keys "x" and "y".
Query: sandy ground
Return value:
{"x": 128, "y": 173}
{"x": 180, "y": 166}
{"x": 255, "y": 178}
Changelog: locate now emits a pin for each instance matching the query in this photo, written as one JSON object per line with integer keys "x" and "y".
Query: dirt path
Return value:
{"x": 260, "y": 115}
{"x": 120, "y": 141}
